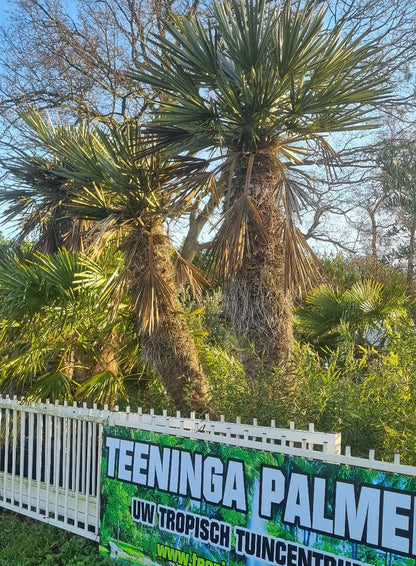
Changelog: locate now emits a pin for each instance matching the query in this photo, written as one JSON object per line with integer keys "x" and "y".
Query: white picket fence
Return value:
{"x": 50, "y": 454}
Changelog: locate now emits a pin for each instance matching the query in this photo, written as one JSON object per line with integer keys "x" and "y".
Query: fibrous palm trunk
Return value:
{"x": 257, "y": 301}
{"x": 168, "y": 345}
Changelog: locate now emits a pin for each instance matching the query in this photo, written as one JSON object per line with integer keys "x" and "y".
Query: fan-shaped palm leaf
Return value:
{"x": 363, "y": 310}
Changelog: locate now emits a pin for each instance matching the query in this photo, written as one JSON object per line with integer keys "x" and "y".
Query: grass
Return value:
{"x": 25, "y": 542}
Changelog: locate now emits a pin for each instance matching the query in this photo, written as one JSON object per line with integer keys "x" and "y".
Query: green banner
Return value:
{"x": 171, "y": 500}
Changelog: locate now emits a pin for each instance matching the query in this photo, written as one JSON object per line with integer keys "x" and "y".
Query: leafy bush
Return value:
{"x": 362, "y": 390}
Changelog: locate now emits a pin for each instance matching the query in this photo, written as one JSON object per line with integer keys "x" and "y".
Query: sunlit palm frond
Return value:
{"x": 106, "y": 276}
{"x": 157, "y": 137}
{"x": 292, "y": 196}
{"x": 324, "y": 308}
{"x": 55, "y": 386}
{"x": 28, "y": 285}
{"x": 93, "y": 203}
{"x": 57, "y": 270}
{"x": 362, "y": 308}
{"x": 375, "y": 300}
{"x": 103, "y": 388}
{"x": 150, "y": 291}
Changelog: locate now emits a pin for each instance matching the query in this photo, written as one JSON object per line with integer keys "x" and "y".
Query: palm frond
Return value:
{"x": 107, "y": 277}
{"x": 92, "y": 173}
{"x": 302, "y": 266}
{"x": 148, "y": 263}
{"x": 256, "y": 72}
{"x": 58, "y": 270}
{"x": 56, "y": 386}
{"x": 292, "y": 196}
{"x": 27, "y": 286}
{"x": 366, "y": 305}
{"x": 189, "y": 274}
{"x": 104, "y": 388}
{"x": 151, "y": 294}
{"x": 323, "y": 311}
{"x": 233, "y": 240}
{"x": 375, "y": 300}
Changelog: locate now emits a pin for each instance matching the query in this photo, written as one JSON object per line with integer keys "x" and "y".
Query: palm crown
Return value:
{"x": 262, "y": 77}
{"x": 364, "y": 312}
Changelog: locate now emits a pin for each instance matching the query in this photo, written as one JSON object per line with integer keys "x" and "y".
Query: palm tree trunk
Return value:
{"x": 169, "y": 345}
{"x": 257, "y": 302}
{"x": 171, "y": 351}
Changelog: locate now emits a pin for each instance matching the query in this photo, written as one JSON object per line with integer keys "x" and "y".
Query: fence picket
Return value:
{"x": 56, "y": 463}
{"x": 30, "y": 458}
{"x": 22, "y": 456}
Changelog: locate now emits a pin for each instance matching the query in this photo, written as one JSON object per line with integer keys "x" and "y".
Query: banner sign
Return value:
{"x": 172, "y": 500}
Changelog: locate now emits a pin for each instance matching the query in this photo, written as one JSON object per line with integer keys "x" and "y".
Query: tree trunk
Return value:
{"x": 169, "y": 345}
{"x": 257, "y": 302}
{"x": 171, "y": 351}
{"x": 197, "y": 221}
{"x": 374, "y": 234}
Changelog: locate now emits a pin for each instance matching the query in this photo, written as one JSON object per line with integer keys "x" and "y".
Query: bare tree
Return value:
{"x": 356, "y": 172}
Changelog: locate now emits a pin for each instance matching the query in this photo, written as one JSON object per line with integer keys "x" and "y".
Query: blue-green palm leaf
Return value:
{"x": 257, "y": 78}
{"x": 257, "y": 73}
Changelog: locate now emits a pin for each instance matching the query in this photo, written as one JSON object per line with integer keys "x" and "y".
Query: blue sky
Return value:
{"x": 5, "y": 7}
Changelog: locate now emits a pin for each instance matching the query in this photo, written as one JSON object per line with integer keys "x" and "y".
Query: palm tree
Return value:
{"x": 40, "y": 205}
{"x": 128, "y": 199}
{"x": 363, "y": 313}
{"x": 260, "y": 85}
{"x": 54, "y": 342}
